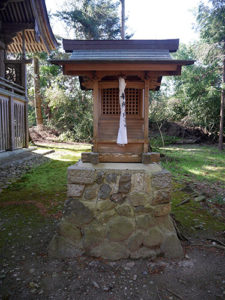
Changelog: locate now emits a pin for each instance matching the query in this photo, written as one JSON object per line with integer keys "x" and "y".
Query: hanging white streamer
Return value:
{"x": 122, "y": 133}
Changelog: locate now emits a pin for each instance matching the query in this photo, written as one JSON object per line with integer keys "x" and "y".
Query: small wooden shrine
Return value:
{"x": 99, "y": 65}
{"x": 119, "y": 208}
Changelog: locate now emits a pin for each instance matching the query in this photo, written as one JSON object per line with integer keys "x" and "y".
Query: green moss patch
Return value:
{"x": 191, "y": 215}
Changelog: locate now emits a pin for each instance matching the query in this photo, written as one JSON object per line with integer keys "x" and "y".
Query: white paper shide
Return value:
{"x": 122, "y": 133}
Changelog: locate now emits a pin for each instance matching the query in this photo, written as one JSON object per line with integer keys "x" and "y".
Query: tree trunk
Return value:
{"x": 122, "y": 19}
{"x": 222, "y": 103}
{"x": 37, "y": 93}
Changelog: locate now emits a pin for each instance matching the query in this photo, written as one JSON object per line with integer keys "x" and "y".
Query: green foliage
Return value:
{"x": 71, "y": 110}
{"x": 211, "y": 21}
{"x": 198, "y": 89}
{"x": 96, "y": 19}
{"x": 195, "y": 95}
{"x": 64, "y": 106}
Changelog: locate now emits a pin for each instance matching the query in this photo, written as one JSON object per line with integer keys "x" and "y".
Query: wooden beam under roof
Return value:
{"x": 4, "y": 3}
{"x": 16, "y": 27}
{"x": 147, "y": 66}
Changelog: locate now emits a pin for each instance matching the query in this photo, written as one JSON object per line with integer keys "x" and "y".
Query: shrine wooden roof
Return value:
{"x": 120, "y": 55}
{"x": 121, "y": 51}
{"x": 112, "y": 57}
{"x": 71, "y": 45}
{"x": 30, "y": 16}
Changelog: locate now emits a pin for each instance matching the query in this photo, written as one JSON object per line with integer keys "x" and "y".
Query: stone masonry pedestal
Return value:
{"x": 115, "y": 211}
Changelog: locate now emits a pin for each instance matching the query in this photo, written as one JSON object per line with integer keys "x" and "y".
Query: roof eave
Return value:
{"x": 174, "y": 61}
{"x": 44, "y": 41}
{"x": 41, "y": 16}
{"x": 69, "y": 45}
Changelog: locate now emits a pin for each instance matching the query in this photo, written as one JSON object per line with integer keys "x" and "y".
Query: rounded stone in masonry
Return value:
{"x": 138, "y": 182}
{"x": 143, "y": 252}
{"x": 125, "y": 183}
{"x": 104, "y": 191}
{"x": 105, "y": 205}
{"x": 82, "y": 176}
{"x": 147, "y": 209}
{"x": 135, "y": 240}
{"x": 118, "y": 198}
{"x": 161, "y": 197}
{"x": 61, "y": 247}
{"x": 99, "y": 177}
{"x": 153, "y": 237}
{"x": 93, "y": 235}
{"x": 75, "y": 190}
{"x": 139, "y": 199}
{"x": 162, "y": 180}
{"x": 165, "y": 223}
{"x": 162, "y": 209}
{"x": 111, "y": 178}
{"x": 80, "y": 214}
{"x": 171, "y": 246}
{"x": 125, "y": 210}
{"x": 120, "y": 228}
{"x": 91, "y": 191}
{"x": 110, "y": 250}
{"x": 105, "y": 216}
{"x": 69, "y": 231}
{"x": 144, "y": 221}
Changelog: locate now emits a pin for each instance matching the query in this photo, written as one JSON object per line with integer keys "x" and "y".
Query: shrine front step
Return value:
{"x": 145, "y": 158}
{"x": 115, "y": 211}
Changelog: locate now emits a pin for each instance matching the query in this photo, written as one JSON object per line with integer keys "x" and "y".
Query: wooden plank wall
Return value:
{"x": 19, "y": 124}
{"x": 4, "y": 123}
{"x": 12, "y": 123}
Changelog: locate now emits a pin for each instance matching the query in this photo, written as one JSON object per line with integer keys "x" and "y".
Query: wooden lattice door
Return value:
{"x": 111, "y": 106}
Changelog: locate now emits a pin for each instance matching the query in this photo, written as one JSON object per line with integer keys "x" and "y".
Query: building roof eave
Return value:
{"x": 35, "y": 24}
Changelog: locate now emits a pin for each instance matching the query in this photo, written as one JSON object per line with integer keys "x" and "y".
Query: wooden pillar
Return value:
{"x": 2, "y": 63}
{"x": 23, "y": 65}
{"x": 11, "y": 125}
{"x": 146, "y": 111}
{"x": 26, "y": 125}
{"x": 24, "y": 84}
{"x": 95, "y": 115}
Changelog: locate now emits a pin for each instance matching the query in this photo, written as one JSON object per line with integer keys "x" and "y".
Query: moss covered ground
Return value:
{"x": 197, "y": 171}
{"x": 36, "y": 198}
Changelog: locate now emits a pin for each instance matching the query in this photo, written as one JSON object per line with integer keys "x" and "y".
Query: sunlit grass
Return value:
{"x": 199, "y": 162}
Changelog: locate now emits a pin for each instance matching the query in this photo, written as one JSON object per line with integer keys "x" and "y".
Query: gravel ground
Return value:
{"x": 28, "y": 273}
